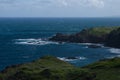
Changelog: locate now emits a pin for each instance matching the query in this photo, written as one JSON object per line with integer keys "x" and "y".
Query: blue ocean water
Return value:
{"x": 24, "y": 39}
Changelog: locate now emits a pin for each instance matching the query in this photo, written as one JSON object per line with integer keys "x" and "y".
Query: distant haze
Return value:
{"x": 59, "y": 8}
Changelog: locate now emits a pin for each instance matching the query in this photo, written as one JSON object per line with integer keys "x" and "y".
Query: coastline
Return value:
{"x": 102, "y": 35}
{"x": 46, "y": 67}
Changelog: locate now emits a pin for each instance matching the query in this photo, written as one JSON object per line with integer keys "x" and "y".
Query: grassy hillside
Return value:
{"x": 99, "y": 31}
{"x": 106, "y": 69}
{"x": 46, "y": 68}
{"x": 50, "y": 68}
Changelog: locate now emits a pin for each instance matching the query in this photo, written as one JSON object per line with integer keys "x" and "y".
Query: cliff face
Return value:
{"x": 85, "y": 36}
{"x": 113, "y": 39}
{"x": 109, "y": 36}
{"x": 81, "y": 37}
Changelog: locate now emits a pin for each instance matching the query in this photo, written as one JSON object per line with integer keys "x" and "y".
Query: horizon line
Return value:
{"x": 60, "y": 17}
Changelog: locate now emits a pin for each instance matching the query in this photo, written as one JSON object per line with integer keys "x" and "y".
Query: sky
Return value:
{"x": 59, "y": 8}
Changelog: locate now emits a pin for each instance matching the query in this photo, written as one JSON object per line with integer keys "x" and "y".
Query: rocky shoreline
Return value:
{"x": 52, "y": 68}
{"x": 109, "y": 36}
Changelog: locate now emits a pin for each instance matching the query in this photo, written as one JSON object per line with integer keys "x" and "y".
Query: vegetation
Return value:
{"x": 110, "y": 36}
{"x": 106, "y": 69}
{"x": 51, "y": 68}
{"x": 100, "y": 31}
{"x": 91, "y": 35}
{"x": 46, "y": 68}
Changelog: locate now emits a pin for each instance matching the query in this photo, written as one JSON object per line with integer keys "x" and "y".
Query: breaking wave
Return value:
{"x": 34, "y": 42}
{"x": 114, "y": 50}
{"x": 71, "y": 58}
{"x": 111, "y": 57}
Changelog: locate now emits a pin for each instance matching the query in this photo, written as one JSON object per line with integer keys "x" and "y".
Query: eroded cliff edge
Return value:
{"x": 109, "y": 36}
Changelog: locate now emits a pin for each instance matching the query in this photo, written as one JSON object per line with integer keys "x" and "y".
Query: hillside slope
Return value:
{"x": 46, "y": 68}
{"x": 113, "y": 39}
{"x": 106, "y": 69}
{"x": 51, "y": 68}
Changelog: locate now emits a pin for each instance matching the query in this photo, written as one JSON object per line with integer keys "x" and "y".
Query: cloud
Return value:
{"x": 59, "y": 7}
{"x": 92, "y": 3}
{"x": 7, "y": 1}
{"x": 97, "y": 3}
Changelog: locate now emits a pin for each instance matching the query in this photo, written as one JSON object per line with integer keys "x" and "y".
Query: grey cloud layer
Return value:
{"x": 59, "y": 8}
{"x": 95, "y": 3}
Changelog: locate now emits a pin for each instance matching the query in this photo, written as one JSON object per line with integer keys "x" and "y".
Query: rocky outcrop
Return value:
{"x": 113, "y": 39}
{"x": 110, "y": 36}
{"x": 92, "y": 35}
{"x": 82, "y": 37}
{"x": 60, "y": 37}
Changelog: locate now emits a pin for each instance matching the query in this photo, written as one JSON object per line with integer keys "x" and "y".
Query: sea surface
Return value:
{"x": 23, "y": 40}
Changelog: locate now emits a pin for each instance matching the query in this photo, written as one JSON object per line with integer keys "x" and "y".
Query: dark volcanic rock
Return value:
{"x": 113, "y": 39}
{"x": 60, "y": 37}
{"x": 85, "y": 36}
{"x": 110, "y": 36}
{"x": 71, "y": 58}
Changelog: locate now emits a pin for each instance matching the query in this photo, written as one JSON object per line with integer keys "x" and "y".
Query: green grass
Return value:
{"x": 106, "y": 69}
{"x": 108, "y": 63}
{"x": 46, "y": 68}
{"x": 51, "y": 68}
{"x": 107, "y": 74}
{"x": 100, "y": 31}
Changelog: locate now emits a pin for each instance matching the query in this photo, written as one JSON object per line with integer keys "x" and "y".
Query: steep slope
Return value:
{"x": 113, "y": 39}
{"x": 91, "y": 35}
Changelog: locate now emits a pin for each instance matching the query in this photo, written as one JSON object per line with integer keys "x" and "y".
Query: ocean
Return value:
{"x": 23, "y": 40}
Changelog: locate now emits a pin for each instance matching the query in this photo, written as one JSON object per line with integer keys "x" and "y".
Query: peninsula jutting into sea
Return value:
{"x": 109, "y": 36}
{"x": 91, "y": 53}
{"x": 59, "y": 40}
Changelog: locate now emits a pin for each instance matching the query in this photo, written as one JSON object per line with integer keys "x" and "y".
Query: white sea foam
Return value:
{"x": 66, "y": 58}
{"x": 91, "y": 44}
{"x": 88, "y": 44}
{"x": 114, "y": 50}
{"x": 111, "y": 57}
{"x": 34, "y": 42}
